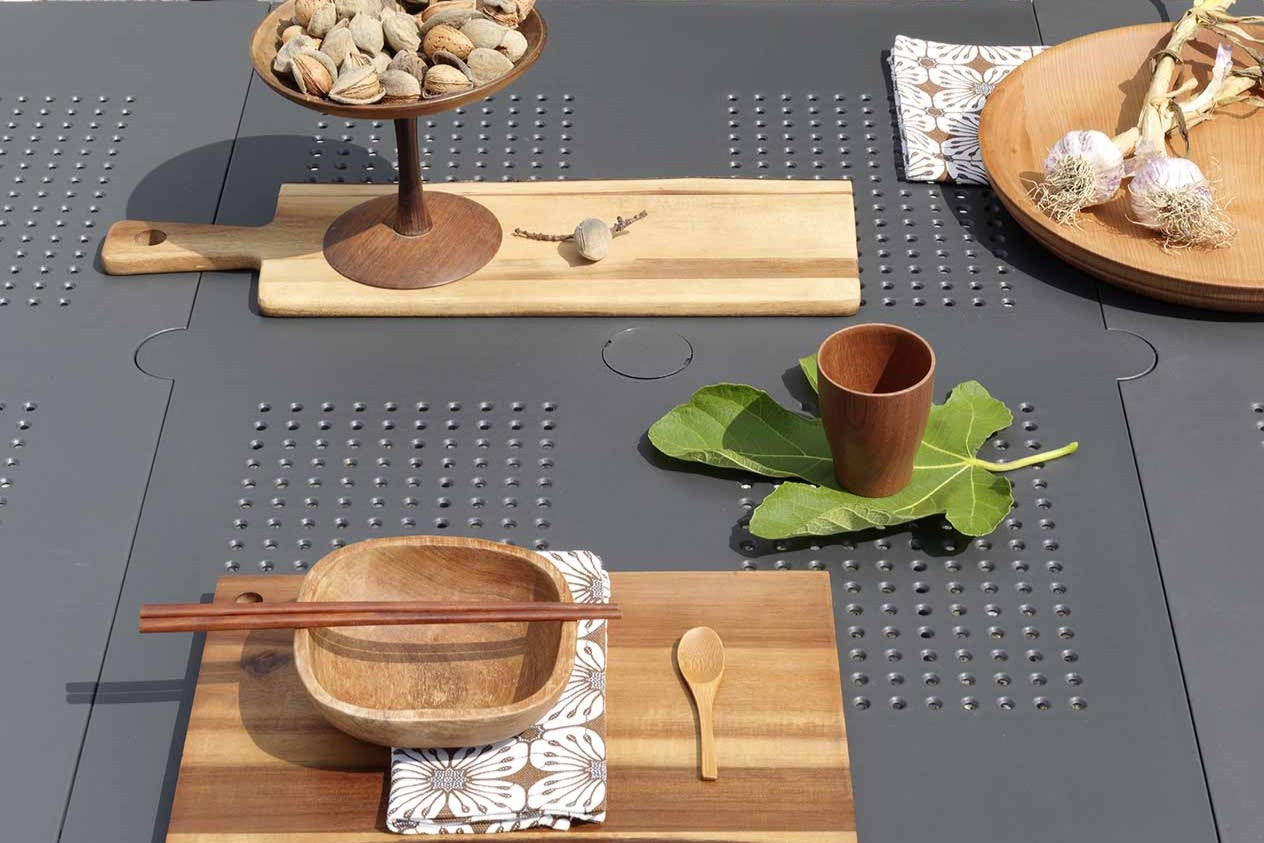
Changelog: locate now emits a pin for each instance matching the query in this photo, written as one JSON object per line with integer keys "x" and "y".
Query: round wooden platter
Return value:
{"x": 1097, "y": 82}
{"x": 263, "y": 49}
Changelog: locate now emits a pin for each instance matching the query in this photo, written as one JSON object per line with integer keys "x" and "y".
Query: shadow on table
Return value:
{"x": 147, "y": 691}
{"x": 255, "y": 169}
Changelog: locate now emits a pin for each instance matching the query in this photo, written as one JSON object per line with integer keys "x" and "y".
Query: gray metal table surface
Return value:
{"x": 83, "y": 117}
{"x": 1026, "y": 684}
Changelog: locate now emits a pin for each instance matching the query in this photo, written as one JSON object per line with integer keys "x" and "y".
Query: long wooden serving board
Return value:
{"x": 261, "y": 765}
{"x": 709, "y": 247}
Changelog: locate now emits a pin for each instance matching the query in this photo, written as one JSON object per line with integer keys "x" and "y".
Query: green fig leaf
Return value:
{"x": 736, "y": 426}
{"x": 808, "y": 365}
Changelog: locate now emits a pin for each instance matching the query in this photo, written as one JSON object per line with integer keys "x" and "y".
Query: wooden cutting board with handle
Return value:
{"x": 708, "y": 247}
{"x": 261, "y": 765}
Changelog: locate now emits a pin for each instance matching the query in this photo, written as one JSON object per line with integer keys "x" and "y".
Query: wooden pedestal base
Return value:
{"x": 363, "y": 244}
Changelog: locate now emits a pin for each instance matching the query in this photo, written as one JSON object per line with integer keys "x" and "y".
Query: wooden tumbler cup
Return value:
{"x": 876, "y": 383}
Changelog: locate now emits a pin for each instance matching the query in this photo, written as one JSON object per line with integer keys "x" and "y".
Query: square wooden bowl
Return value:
{"x": 449, "y": 685}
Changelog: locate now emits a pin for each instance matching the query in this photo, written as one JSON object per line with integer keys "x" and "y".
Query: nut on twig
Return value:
{"x": 592, "y": 236}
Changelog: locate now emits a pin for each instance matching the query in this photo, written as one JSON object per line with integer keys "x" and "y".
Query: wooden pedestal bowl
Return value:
{"x": 409, "y": 241}
{"x": 435, "y": 686}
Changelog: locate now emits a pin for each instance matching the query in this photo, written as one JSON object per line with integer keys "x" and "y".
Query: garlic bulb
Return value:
{"x": 1083, "y": 168}
{"x": 1173, "y": 196}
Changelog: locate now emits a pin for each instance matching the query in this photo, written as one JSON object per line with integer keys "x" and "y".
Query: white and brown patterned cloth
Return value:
{"x": 939, "y": 91}
{"x": 549, "y": 776}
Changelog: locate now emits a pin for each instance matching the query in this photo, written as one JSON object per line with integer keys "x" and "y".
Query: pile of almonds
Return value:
{"x": 358, "y": 52}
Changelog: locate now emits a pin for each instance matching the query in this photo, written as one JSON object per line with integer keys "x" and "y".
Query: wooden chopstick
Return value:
{"x": 281, "y": 616}
{"x": 186, "y": 610}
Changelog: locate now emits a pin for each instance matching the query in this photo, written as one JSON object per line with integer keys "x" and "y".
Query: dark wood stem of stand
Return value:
{"x": 407, "y": 242}
{"x": 413, "y": 218}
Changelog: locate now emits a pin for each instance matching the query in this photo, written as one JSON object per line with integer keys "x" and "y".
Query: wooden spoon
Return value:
{"x": 700, "y": 655}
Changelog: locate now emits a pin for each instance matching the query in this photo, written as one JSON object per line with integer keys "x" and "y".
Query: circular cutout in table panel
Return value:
{"x": 1097, "y": 82}
{"x": 647, "y": 353}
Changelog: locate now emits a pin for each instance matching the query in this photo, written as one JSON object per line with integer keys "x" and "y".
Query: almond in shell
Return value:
{"x": 366, "y": 30}
{"x": 513, "y": 45}
{"x": 357, "y": 86}
{"x": 399, "y": 85}
{"x": 401, "y": 33}
{"x": 313, "y": 72}
{"x": 487, "y": 66}
{"x": 440, "y": 6}
{"x": 303, "y": 10}
{"x": 449, "y": 40}
{"x": 483, "y": 32}
{"x": 445, "y": 79}
{"x": 409, "y": 62}
{"x": 322, "y": 20}
{"x": 455, "y": 18}
{"x": 355, "y": 58}
{"x": 338, "y": 44}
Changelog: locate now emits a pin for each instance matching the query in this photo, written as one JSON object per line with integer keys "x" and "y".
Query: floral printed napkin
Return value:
{"x": 551, "y": 775}
{"x": 939, "y": 91}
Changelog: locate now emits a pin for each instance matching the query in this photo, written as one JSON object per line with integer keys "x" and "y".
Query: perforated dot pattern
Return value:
{"x": 935, "y": 620}
{"x": 1257, "y": 410}
{"x": 56, "y": 157}
{"x": 508, "y": 137}
{"x": 18, "y": 422}
{"x": 913, "y": 239}
{"x": 319, "y": 475}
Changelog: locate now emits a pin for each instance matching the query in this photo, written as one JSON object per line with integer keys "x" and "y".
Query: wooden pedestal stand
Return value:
{"x": 415, "y": 239}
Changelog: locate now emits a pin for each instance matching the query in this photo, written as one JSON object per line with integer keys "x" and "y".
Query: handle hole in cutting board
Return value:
{"x": 150, "y": 237}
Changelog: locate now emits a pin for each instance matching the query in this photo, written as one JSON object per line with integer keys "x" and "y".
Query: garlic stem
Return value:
{"x": 1154, "y": 121}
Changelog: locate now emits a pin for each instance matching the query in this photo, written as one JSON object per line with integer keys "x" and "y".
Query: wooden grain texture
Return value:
{"x": 876, "y": 383}
{"x": 1097, "y": 82}
{"x": 709, "y": 247}
{"x": 263, "y": 48}
{"x": 428, "y": 686}
{"x": 261, "y": 765}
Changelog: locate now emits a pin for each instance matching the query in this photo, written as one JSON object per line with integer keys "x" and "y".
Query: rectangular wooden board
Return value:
{"x": 261, "y": 765}
{"x": 708, "y": 247}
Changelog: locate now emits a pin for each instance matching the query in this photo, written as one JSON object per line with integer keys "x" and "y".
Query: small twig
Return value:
{"x": 620, "y": 224}
{"x": 535, "y": 235}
